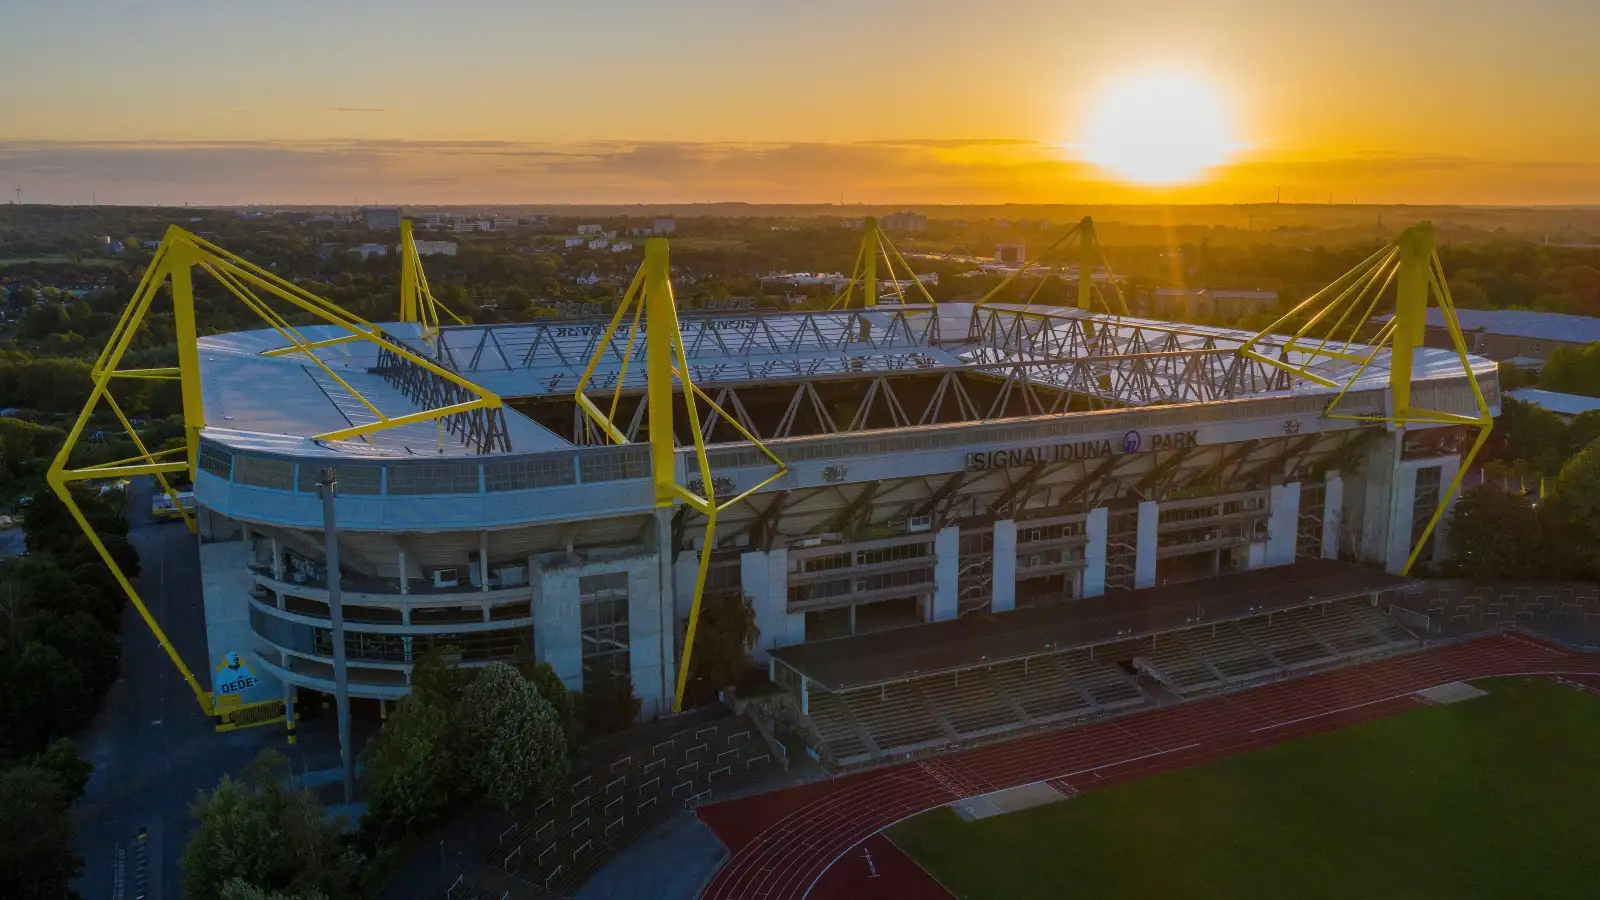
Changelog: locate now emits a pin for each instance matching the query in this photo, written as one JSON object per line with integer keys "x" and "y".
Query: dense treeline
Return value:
{"x": 59, "y": 653}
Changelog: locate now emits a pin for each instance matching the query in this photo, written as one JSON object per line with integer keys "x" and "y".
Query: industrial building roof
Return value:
{"x": 1522, "y": 323}
{"x": 1558, "y": 403}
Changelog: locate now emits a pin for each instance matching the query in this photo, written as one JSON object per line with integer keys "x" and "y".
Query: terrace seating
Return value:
{"x": 969, "y": 703}
{"x": 1042, "y": 689}
{"x": 838, "y": 728}
{"x": 869, "y": 723}
{"x": 896, "y": 717}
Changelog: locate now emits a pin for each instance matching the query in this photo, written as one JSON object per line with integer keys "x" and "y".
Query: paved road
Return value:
{"x": 152, "y": 746}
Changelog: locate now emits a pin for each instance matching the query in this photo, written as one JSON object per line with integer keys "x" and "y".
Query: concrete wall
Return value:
{"x": 225, "y": 589}
{"x": 558, "y": 624}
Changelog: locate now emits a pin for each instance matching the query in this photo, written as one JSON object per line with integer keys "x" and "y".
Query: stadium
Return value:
{"x": 1049, "y": 500}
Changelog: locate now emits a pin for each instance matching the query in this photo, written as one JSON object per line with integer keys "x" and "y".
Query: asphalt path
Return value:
{"x": 153, "y": 747}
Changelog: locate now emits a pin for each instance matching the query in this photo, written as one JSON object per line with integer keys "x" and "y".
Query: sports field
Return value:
{"x": 1497, "y": 796}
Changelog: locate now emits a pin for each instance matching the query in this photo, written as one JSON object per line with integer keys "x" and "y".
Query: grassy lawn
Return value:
{"x": 1493, "y": 797}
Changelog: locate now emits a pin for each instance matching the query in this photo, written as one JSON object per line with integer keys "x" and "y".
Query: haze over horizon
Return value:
{"x": 888, "y": 102}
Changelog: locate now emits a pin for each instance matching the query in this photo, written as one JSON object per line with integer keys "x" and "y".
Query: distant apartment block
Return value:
{"x": 381, "y": 218}
{"x": 904, "y": 221}
{"x": 1010, "y": 253}
{"x": 1224, "y": 303}
{"x": 366, "y": 251}
{"x": 436, "y": 248}
{"x": 663, "y": 226}
{"x": 590, "y": 229}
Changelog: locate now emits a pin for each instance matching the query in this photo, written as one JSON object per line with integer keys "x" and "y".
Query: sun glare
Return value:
{"x": 1158, "y": 128}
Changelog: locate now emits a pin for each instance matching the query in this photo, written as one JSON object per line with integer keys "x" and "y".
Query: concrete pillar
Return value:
{"x": 657, "y": 611}
{"x": 1003, "y": 596}
{"x": 1283, "y": 521}
{"x": 483, "y": 560}
{"x": 1332, "y": 510}
{"x": 1378, "y": 499}
{"x": 946, "y": 575}
{"x": 1402, "y": 500}
{"x": 1094, "y": 552}
{"x": 805, "y": 695}
{"x": 288, "y": 711}
{"x": 277, "y": 561}
{"x": 1144, "y": 565}
{"x": 405, "y": 580}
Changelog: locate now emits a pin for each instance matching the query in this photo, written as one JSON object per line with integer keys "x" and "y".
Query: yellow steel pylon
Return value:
{"x": 875, "y": 245}
{"x": 175, "y": 260}
{"x": 649, "y": 304}
{"x": 1412, "y": 264}
{"x": 1090, "y": 256}
{"x": 417, "y": 303}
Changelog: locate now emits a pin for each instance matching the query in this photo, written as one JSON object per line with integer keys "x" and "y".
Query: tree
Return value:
{"x": 1577, "y": 490}
{"x": 414, "y": 773}
{"x": 1496, "y": 535}
{"x": 1531, "y": 434}
{"x": 609, "y": 704}
{"x": 726, "y": 634}
{"x": 563, "y": 701}
{"x": 1573, "y": 371}
{"x": 273, "y": 839}
{"x": 521, "y": 747}
{"x": 36, "y": 855}
{"x": 239, "y": 889}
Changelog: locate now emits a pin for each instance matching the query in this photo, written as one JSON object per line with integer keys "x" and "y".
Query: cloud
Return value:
{"x": 886, "y": 172}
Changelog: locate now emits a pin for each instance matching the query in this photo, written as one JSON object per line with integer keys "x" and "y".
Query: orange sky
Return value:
{"x": 1421, "y": 101}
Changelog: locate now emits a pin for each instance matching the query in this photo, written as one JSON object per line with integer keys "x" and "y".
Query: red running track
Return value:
{"x": 782, "y": 843}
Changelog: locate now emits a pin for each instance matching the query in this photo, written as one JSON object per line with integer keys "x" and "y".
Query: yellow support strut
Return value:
{"x": 173, "y": 264}
{"x": 1412, "y": 264}
{"x": 649, "y": 299}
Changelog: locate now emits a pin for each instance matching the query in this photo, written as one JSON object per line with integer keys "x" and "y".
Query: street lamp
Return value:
{"x": 341, "y": 680}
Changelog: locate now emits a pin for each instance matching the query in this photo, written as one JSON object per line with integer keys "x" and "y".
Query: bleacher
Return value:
{"x": 911, "y": 716}
{"x": 921, "y": 714}
{"x": 1233, "y": 654}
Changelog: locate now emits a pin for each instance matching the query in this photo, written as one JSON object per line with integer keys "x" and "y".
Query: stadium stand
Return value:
{"x": 919, "y": 714}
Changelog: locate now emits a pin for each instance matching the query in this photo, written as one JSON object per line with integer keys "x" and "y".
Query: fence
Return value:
{"x": 557, "y": 845}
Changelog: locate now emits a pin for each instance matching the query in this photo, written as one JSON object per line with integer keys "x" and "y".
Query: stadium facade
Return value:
{"x": 942, "y": 462}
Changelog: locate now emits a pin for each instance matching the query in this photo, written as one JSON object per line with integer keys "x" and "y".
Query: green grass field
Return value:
{"x": 1493, "y": 797}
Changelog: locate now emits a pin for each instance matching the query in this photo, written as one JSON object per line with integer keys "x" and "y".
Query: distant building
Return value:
{"x": 1565, "y": 406}
{"x": 663, "y": 226}
{"x": 1010, "y": 253}
{"x": 369, "y": 250}
{"x": 589, "y": 229}
{"x": 621, "y": 247}
{"x": 1513, "y": 335}
{"x": 574, "y": 242}
{"x": 1225, "y": 303}
{"x": 436, "y": 248}
{"x": 904, "y": 221}
{"x": 599, "y": 243}
{"x": 382, "y": 218}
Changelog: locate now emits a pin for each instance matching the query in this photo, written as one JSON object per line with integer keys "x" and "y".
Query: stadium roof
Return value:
{"x": 279, "y": 402}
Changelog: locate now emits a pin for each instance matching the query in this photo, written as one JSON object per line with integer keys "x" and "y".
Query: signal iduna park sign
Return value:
{"x": 1034, "y": 454}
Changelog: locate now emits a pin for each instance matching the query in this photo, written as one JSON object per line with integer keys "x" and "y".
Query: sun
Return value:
{"x": 1158, "y": 128}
